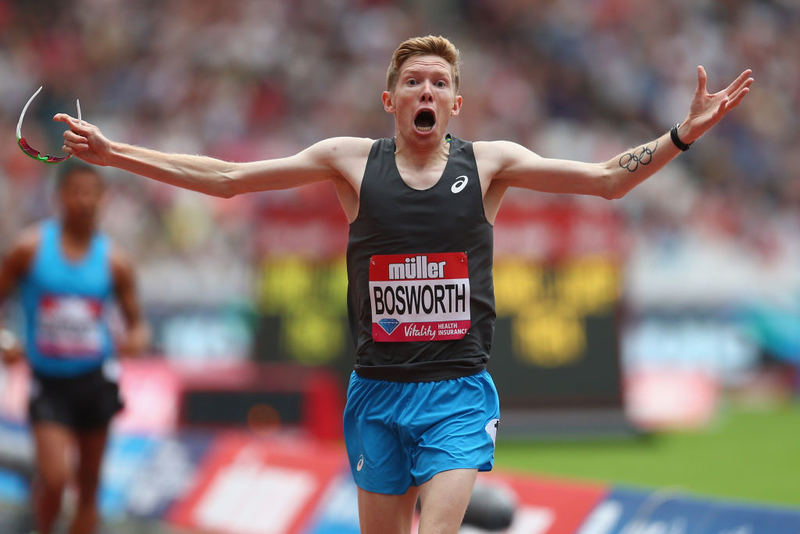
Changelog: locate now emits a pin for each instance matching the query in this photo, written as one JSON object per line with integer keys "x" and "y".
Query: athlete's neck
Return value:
{"x": 420, "y": 155}
{"x": 77, "y": 232}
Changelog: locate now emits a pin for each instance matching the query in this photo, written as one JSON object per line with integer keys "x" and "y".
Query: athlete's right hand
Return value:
{"x": 84, "y": 140}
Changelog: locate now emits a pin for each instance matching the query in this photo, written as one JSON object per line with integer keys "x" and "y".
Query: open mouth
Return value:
{"x": 424, "y": 121}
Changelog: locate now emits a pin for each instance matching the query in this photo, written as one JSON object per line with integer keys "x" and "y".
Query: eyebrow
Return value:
{"x": 416, "y": 72}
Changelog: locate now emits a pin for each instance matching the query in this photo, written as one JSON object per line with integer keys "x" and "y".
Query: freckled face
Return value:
{"x": 423, "y": 99}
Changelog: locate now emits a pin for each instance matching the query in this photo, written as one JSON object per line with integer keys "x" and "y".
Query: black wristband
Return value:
{"x": 673, "y": 133}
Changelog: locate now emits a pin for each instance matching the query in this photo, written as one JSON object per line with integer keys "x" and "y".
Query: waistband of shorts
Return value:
{"x": 57, "y": 379}
{"x": 390, "y": 373}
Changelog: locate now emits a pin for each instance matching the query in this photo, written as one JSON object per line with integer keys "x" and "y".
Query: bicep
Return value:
{"x": 520, "y": 167}
{"x": 314, "y": 164}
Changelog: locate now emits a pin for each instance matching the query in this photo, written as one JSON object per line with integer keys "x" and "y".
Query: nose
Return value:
{"x": 427, "y": 92}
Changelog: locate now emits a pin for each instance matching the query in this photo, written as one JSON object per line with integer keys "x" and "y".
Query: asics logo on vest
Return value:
{"x": 460, "y": 184}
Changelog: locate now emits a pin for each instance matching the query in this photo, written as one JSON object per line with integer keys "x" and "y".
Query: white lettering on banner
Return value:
{"x": 532, "y": 520}
{"x": 166, "y": 477}
{"x": 603, "y": 518}
{"x": 69, "y": 326}
{"x": 250, "y": 498}
{"x": 676, "y": 525}
{"x": 427, "y": 294}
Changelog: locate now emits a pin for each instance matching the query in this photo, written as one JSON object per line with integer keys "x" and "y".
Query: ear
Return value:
{"x": 388, "y": 104}
{"x": 456, "y": 109}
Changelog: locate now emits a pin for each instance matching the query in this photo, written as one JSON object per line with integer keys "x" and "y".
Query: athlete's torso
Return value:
{"x": 65, "y": 304}
{"x": 420, "y": 269}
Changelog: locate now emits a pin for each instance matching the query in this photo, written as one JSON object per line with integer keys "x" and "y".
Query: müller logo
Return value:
{"x": 416, "y": 268}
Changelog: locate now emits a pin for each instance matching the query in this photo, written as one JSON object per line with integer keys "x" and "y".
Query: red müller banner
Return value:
{"x": 419, "y": 297}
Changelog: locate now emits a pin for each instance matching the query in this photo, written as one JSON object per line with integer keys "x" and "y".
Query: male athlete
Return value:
{"x": 422, "y": 412}
{"x": 67, "y": 273}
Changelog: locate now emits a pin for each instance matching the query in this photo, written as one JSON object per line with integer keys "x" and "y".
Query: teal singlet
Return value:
{"x": 65, "y": 306}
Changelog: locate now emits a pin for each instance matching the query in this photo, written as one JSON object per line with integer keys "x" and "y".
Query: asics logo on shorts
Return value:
{"x": 360, "y": 464}
{"x": 460, "y": 184}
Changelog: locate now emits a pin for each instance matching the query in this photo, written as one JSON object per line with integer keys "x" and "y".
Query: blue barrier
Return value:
{"x": 669, "y": 512}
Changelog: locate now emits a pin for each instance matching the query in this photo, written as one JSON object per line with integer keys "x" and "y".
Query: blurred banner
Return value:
{"x": 283, "y": 483}
{"x": 557, "y": 282}
{"x": 627, "y": 510}
{"x": 267, "y": 487}
{"x": 162, "y": 397}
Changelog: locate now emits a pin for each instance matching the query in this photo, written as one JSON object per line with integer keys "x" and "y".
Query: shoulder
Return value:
{"x": 495, "y": 157}
{"x": 19, "y": 256}
{"x": 28, "y": 241}
{"x": 342, "y": 147}
{"x": 499, "y": 150}
{"x": 30, "y": 237}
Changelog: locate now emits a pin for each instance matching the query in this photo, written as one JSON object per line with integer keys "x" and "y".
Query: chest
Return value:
{"x": 421, "y": 178}
{"x": 54, "y": 272}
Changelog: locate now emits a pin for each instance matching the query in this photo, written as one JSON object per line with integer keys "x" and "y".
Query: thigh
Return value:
{"x": 53, "y": 442}
{"x": 379, "y": 513}
{"x": 444, "y": 499}
{"x": 91, "y": 446}
{"x": 379, "y": 461}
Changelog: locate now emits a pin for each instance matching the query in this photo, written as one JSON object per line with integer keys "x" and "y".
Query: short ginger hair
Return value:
{"x": 423, "y": 46}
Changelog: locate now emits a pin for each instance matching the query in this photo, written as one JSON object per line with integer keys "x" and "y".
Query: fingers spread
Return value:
{"x": 737, "y": 98}
{"x": 743, "y": 78}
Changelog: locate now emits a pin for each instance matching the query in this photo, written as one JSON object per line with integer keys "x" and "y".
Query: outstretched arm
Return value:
{"x": 319, "y": 162}
{"x": 520, "y": 167}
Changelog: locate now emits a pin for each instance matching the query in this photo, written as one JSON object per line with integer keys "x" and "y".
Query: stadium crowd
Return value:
{"x": 250, "y": 79}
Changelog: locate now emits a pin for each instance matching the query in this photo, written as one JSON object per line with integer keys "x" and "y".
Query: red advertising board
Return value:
{"x": 252, "y": 486}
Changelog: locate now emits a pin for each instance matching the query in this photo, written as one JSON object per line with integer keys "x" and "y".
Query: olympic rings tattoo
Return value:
{"x": 632, "y": 160}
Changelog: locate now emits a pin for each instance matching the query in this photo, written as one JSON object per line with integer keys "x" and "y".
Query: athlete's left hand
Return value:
{"x": 135, "y": 341}
{"x": 11, "y": 351}
{"x": 708, "y": 109}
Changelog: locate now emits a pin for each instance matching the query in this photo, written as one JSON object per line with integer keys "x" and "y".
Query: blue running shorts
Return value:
{"x": 400, "y": 434}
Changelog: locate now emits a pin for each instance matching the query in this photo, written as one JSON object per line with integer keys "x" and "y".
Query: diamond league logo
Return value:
{"x": 389, "y": 325}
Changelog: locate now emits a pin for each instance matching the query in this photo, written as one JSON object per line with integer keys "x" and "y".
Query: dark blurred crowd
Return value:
{"x": 251, "y": 79}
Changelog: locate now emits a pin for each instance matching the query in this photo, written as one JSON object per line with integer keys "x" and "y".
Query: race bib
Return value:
{"x": 69, "y": 326}
{"x": 419, "y": 297}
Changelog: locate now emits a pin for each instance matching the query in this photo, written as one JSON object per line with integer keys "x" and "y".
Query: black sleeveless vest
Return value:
{"x": 395, "y": 219}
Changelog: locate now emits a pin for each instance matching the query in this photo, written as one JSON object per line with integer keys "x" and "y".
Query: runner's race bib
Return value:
{"x": 419, "y": 297}
{"x": 69, "y": 326}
